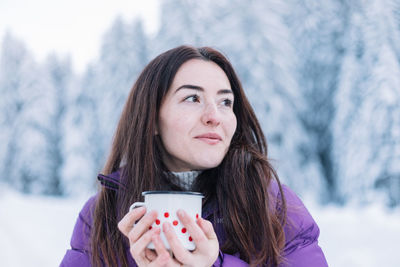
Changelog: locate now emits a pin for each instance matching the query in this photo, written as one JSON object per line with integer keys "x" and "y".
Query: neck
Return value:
{"x": 186, "y": 179}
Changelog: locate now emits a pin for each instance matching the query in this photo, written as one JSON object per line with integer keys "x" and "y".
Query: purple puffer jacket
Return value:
{"x": 301, "y": 248}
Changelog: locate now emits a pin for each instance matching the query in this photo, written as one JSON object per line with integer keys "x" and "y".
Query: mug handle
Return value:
{"x": 136, "y": 205}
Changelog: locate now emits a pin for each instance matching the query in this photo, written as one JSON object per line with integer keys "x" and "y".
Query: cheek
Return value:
{"x": 174, "y": 129}
{"x": 231, "y": 127}
{"x": 181, "y": 125}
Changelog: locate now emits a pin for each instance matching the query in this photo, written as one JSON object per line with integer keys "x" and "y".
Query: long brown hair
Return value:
{"x": 239, "y": 185}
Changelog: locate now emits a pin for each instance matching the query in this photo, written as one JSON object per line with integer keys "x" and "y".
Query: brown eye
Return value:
{"x": 227, "y": 102}
{"x": 193, "y": 98}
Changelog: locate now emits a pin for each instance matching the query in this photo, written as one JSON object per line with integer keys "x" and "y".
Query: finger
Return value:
{"x": 126, "y": 224}
{"x": 161, "y": 260}
{"x": 142, "y": 226}
{"x": 194, "y": 230}
{"x": 180, "y": 252}
{"x": 150, "y": 254}
{"x": 212, "y": 247}
{"x": 138, "y": 248}
{"x": 207, "y": 228}
{"x": 163, "y": 256}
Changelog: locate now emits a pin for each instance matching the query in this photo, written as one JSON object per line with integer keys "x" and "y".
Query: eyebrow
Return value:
{"x": 199, "y": 88}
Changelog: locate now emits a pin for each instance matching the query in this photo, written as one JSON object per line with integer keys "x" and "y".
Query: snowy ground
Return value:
{"x": 35, "y": 231}
{"x": 354, "y": 236}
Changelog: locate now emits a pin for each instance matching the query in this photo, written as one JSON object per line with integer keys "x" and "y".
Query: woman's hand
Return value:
{"x": 203, "y": 234}
{"x": 140, "y": 236}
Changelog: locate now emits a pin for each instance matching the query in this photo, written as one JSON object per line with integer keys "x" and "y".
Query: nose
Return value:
{"x": 211, "y": 116}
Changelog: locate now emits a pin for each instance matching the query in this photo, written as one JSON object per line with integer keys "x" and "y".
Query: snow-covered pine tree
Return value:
{"x": 367, "y": 125}
{"x": 104, "y": 89}
{"x": 318, "y": 30}
{"x": 19, "y": 94}
{"x": 49, "y": 121}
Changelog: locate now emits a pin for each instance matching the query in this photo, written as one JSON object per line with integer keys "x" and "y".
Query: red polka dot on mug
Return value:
{"x": 166, "y": 214}
{"x": 183, "y": 230}
{"x": 158, "y": 222}
{"x": 175, "y": 223}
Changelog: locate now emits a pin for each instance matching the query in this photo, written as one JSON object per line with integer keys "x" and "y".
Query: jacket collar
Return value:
{"x": 111, "y": 181}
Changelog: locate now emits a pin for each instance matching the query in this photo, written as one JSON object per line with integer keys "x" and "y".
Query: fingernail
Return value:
{"x": 138, "y": 209}
{"x": 167, "y": 226}
{"x": 153, "y": 213}
{"x": 181, "y": 213}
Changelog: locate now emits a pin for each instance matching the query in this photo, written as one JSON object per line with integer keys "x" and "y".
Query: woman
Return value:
{"x": 187, "y": 125}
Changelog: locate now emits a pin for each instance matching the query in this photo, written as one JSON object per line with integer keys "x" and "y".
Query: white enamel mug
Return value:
{"x": 167, "y": 203}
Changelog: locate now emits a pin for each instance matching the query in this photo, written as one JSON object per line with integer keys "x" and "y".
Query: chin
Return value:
{"x": 209, "y": 164}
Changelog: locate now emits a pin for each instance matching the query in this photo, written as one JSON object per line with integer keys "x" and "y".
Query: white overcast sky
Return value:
{"x": 72, "y": 27}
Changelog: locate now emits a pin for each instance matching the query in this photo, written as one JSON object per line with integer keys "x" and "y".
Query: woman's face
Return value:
{"x": 196, "y": 121}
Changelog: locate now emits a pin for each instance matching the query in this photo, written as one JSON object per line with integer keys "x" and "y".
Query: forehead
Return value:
{"x": 201, "y": 73}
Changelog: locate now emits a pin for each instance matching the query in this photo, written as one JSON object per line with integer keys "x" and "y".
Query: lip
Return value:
{"x": 210, "y": 138}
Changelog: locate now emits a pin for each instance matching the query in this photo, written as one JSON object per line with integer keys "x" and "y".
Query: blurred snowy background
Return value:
{"x": 322, "y": 76}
